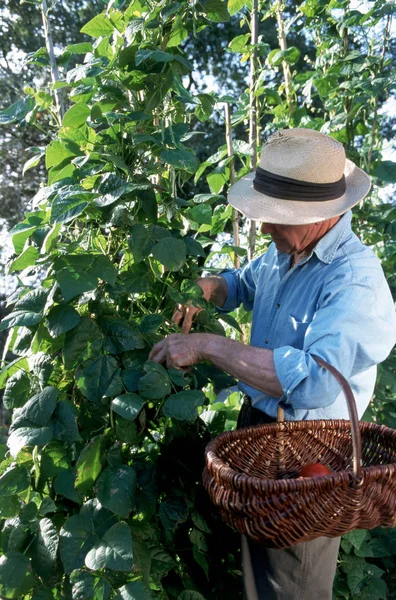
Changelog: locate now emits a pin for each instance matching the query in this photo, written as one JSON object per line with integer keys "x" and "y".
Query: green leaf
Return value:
{"x": 386, "y": 171}
{"x": 59, "y": 151}
{"x": 47, "y": 506}
{"x": 356, "y": 537}
{"x": 127, "y": 405}
{"x": 81, "y": 48}
{"x": 82, "y": 342}
{"x": 87, "y": 586}
{"x": 64, "y": 486}
{"x": 65, "y": 209}
{"x": 94, "y": 378}
{"x": 34, "y": 301}
{"x": 113, "y": 551}
{"x": 20, "y": 233}
{"x": 20, "y": 318}
{"x": 205, "y": 108}
{"x": 156, "y": 383}
{"x": 183, "y": 406}
{"x": 121, "y": 337}
{"x": 50, "y": 239}
{"x": 77, "y": 538}
{"x": 31, "y": 163}
{"x": 40, "y": 407}
{"x": 17, "y": 390}
{"x": 64, "y": 422}
{"x": 54, "y": 459}
{"x": 13, "y": 481}
{"x": 135, "y": 590}
{"x": 181, "y": 159}
{"x": 290, "y": 56}
{"x": 139, "y": 242}
{"x": 170, "y": 252}
{"x": 216, "y": 10}
{"x": 76, "y": 116}
{"x": 28, "y": 436}
{"x": 172, "y": 513}
{"x": 26, "y": 259}
{"x": 99, "y": 26}
{"x": 16, "y": 578}
{"x": 115, "y": 489}
{"x": 17, "y": 111}
{"x": 201, "y": 214}
{"x": 238, "y": 44}
{"x": 62, "y": 318}
{"x": 111, "y": 189}
{"x": 13, "y": 367}
{"x": 9, "y": 507}
{"x": 45, "y": 548}
{"x": 218, "y": 178}
{"x": 190, "y": 595}
{"x": 89, "y": 464}
{"x": 235, "y": 5}
{"x": 155, "y": 55}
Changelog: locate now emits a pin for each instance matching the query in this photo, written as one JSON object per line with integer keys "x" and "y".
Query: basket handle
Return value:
{"x": 353, "y": 416}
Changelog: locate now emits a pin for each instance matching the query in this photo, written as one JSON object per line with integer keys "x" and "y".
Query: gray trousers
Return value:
{"x": 304, "y": 572}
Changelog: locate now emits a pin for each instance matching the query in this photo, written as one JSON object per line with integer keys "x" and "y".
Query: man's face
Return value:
{"x": 292, "y": 239}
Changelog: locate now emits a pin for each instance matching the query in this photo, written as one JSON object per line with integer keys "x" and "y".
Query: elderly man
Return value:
{"x": 317, "y": 291}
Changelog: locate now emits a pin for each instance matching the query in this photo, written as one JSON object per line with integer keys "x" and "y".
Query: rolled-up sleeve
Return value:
{"x": 241, "y": 285}
{"x": 353, "y": 329}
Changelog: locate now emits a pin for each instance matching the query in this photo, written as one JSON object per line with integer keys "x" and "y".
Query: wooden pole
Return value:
{"x": 253, "y": 111}
{"x": 230, "y": 151}
{"x": 50, "y": 49}
{"x": 283, "y": 46}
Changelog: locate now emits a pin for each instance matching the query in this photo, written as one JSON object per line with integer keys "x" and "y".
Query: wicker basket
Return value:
{"x": 252, "y": 475}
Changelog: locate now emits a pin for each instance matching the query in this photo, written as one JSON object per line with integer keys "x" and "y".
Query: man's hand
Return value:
{"x": 179, "y": 351}
{"x": 214, "y": 289}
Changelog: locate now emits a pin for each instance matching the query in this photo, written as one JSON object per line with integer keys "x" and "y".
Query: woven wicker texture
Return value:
{"x": 252, "y": 475}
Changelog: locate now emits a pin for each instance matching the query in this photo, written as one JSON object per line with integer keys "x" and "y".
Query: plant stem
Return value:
{"x": 283, "y": 46}
{"x": 50, "y": 48}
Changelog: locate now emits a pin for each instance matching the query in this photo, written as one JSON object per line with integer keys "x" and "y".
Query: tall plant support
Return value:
{"x": 283, "y": 46}
{"x": 386, "y": 38}
{"x": 253, "y": 111}
{"x": 50, "y": 49}
{"x": 230, "y": 151}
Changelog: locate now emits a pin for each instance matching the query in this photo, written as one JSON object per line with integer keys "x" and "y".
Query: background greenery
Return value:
{"x": 123, "y": 193}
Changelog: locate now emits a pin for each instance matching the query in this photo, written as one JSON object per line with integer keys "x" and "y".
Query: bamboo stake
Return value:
{"x": 374, "y": 125}
{"x": 230, "y": 151}
{"x": 283, "y": 46}
{"x": 253, "y": 111}
{"x": 50, "y": 49}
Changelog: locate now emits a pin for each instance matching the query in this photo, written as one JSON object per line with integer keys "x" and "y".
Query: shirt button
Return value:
{"x": 278, "y": 305}
{"x": 266, "y": 341}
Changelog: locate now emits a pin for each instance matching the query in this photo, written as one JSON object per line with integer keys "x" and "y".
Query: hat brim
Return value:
{"x": 260, "y": 207}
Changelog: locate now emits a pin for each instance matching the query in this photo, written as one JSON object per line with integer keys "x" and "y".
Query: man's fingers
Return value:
{"x": 178, "y": 314}
{"x": 160, "y": 356}
{"x": 188, "y": 318}
{"x": 156, "y": 349}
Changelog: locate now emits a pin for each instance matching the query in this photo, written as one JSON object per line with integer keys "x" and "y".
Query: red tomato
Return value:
{"x": 314, "y": 470}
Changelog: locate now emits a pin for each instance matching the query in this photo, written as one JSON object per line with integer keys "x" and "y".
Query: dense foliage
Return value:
{"x": 100, "y": 493}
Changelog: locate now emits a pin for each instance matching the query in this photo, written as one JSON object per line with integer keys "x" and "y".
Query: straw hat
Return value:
{"x": 302, "y": 177}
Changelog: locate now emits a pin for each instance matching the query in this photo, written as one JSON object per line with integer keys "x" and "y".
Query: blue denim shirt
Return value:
{"x": 335, "y": 304}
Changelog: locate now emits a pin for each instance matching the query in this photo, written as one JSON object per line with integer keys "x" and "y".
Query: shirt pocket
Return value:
{"x": 296, "y": 331}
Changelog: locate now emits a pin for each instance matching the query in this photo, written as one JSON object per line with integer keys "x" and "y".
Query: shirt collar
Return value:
{"x": 327, "y": 247}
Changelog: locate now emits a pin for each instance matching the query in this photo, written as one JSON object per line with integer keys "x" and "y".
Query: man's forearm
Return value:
{"x": 254, "y": 366}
